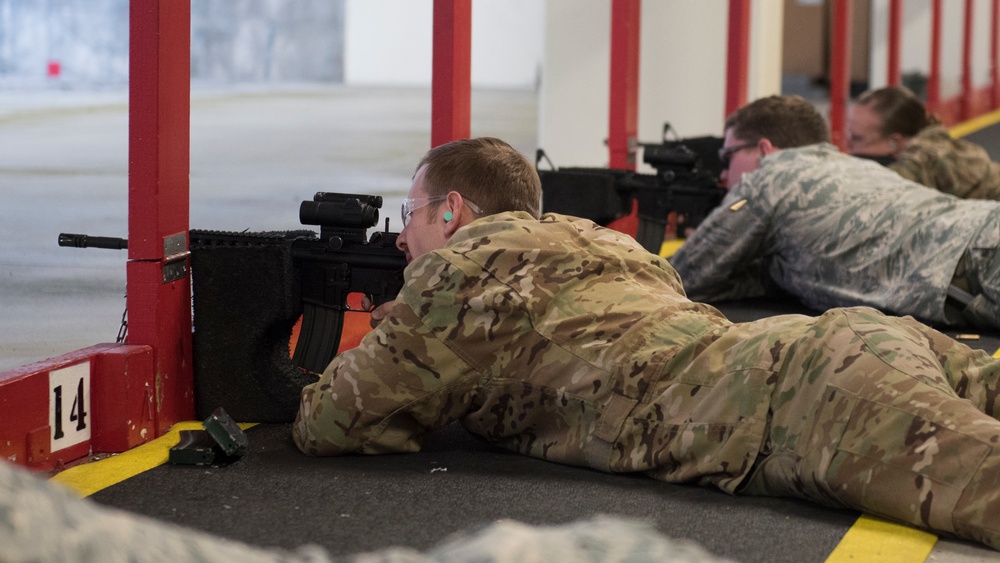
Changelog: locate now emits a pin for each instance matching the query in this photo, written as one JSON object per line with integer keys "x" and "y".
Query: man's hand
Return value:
{"x": 378, "y": 313}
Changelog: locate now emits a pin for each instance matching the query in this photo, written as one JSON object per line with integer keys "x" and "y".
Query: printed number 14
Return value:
{"x": 77, "y": 413}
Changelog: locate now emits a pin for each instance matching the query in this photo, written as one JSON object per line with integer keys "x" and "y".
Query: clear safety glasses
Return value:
{"x": 412, "y": 204}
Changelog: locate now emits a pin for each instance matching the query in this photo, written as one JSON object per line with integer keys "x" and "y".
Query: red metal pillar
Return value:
{"x": 934, "y": 75}
{"x": 451, "y": 83}
{"x": 158, "y": 282}
{"x": 840, "y": 70}
{"x": 995, "y": 56}
{"x": 623, "y": 114}
{"x": 895, "y": 24}
{"x": 623, "y": 118}
{"x": 967, "y": 104}
{"x": 737, "y": 55}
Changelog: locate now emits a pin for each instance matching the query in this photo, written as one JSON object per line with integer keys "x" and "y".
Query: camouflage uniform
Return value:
{"x": 568, "y": 342}
{"x": 40, "y": 521}
{"x": 839, "y": 231}
{"x": 960, "y": 168}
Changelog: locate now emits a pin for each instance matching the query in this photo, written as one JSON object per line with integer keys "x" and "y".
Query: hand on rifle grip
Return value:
{"x": 378, "y": 313}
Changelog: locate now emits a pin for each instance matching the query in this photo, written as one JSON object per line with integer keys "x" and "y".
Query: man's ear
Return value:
{"x": 452, "y": 211}
{"x": 766, "y": 147}
{"x": 897, "y": 142}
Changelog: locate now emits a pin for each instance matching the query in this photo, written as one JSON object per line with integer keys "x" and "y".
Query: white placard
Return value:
{"x": 69, "y": 406}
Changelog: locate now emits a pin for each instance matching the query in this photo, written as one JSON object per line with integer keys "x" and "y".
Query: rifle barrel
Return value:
{"x": 87, "y": 241}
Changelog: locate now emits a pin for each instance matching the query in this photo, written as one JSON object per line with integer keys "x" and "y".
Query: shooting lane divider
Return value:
{"x": 57, "y": 411}
{"x": 88, "y": 478}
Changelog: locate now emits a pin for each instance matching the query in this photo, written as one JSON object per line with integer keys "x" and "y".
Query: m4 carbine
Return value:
{"x": 686, "y": 182}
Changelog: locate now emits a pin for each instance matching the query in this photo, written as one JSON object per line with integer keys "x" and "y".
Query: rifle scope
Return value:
{"x": 341, "y": 210}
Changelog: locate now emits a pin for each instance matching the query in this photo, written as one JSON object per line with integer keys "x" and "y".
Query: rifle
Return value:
{"x": 686, "y": 182}
{"x": 329, "y": 268}
{"x": 250, "y": 288}
{"x": 337, "y": 264}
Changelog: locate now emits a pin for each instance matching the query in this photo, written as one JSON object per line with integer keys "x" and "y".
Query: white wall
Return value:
{"x": 573, "y": 99}
{"x": 682, "y": 74}
{"x": 389, "y": 42}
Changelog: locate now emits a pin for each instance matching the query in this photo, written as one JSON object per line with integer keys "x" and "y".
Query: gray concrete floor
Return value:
{"x": 255, "y": 154}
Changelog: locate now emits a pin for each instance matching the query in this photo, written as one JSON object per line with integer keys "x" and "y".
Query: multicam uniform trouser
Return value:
{"x": 889, "y": 417}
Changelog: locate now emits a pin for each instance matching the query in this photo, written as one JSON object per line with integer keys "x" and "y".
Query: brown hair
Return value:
{"x": 487, "y": 171}
{"x": 786, "y": 121}
{"x": 899, "y": 109}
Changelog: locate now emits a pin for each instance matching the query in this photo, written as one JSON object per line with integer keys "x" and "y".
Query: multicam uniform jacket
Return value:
{"x": 556, "y": 339}
{"x": 957, "y": 167}
{"x": 835, "y": 231}
{"x": 568, "y": 342}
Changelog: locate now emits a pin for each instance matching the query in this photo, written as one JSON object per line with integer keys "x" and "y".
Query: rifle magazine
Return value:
{"x": 319, "y": 337}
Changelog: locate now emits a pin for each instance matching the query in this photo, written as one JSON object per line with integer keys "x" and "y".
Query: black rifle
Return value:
{"x": 250, "y": 288}
{"x": 341, "y": 262}
{"x": 685, "y": 182}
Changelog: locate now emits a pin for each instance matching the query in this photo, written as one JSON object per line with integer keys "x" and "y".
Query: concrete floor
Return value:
{"x": 255, "y": 154}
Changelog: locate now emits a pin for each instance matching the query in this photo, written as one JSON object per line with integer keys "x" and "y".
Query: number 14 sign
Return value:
{"x": 69, "y": 405}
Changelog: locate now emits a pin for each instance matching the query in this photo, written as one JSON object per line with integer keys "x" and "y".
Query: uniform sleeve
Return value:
{"x": 913, "y": 167}
{"x": 952, "y": 166}
{"x": 385, "y": 395}
{"x": 724, "y": 259}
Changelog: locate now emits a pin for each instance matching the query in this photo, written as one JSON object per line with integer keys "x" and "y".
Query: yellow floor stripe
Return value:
{"x": 89, "y": 478}
{"x": 669, "y": 247}
{"x": 975, "y": 124}
{"x": 873, "y": 539}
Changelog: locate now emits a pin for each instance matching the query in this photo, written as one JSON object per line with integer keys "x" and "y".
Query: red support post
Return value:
{"x": 934, "y": 75}
{"x": 623, "y": 118}
{"x": 451, "y": 83}
{"x": 840, "y": 71}
{"x": 967, "y": 105}
{"x": 158, "y": 280}
{"x": 893, "y": 75}
{"x": 737, "y": 55}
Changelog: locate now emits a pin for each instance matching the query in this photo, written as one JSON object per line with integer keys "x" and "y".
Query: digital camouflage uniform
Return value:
{"x": 568, "y": 342}
{"x": 41, "y": 522}
{"x": 957, "y": 167}
{"x": 840, "y": 231}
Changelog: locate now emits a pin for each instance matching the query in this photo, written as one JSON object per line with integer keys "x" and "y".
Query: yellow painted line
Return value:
{"x": 975, "y": 124}
{"x": 89, "y": 478}
{"x": 873, "y": 539}
{"x": 997, "y": 353}
{"x": 668, "y": 247}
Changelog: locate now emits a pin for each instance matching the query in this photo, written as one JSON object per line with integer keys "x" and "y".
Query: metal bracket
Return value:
{"x": 175, "y": 255}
